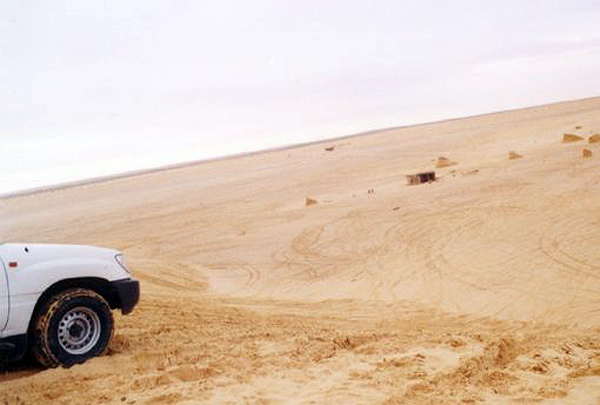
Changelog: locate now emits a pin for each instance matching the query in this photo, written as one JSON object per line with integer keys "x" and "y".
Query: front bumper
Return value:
{"x": 128, "y": 292}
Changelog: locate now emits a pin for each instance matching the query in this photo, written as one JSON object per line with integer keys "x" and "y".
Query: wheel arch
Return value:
{"x": 99, "y": 285}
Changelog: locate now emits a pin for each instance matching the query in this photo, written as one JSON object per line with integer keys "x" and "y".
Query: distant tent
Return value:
{"x": 310, "y": 201}
{"x": 571, "y": 138}
{"x": 513, "y": 155}
{"x": 443, "y": 162}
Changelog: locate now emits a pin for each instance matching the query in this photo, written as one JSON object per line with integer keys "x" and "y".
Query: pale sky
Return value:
{"x": 91, "y": 88}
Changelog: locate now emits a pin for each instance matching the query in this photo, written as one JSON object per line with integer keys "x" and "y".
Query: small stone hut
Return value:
{"x": 419, "y": 178}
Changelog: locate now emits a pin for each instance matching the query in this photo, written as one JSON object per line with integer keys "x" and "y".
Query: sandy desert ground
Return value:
{"x": 481, "y": 287}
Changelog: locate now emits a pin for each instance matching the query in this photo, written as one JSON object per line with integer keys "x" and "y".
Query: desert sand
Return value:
{"x": 480, "y": 287}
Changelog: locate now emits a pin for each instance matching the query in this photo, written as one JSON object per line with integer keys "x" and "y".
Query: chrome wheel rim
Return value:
{"x": 79, "y": 330}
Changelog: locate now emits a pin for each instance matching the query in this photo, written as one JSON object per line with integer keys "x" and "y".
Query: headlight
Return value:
{"x": 120, "y": 259}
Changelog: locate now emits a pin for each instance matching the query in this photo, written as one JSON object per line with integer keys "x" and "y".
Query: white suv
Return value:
{"x": 57, "y": 301}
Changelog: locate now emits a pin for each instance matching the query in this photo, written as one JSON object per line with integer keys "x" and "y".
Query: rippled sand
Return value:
{"x": 483, "y": 286}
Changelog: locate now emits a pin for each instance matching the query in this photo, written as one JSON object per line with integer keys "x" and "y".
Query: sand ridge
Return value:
{"x": 481, "y": 286}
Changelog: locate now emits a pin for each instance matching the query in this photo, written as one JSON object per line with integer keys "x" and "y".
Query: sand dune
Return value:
{"x": 478, "y": 287}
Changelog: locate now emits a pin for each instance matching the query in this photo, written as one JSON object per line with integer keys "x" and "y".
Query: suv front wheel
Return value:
{"x": 72, "y": 327}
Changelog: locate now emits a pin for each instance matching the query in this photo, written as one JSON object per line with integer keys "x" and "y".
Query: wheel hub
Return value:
{"x": 76, "y": 329}
{"x": 79, "y": 330}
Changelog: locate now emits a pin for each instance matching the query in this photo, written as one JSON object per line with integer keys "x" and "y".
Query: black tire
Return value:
{"x": 72, "y": 327}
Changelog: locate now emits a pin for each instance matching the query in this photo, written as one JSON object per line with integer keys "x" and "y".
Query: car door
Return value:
{"x": 3, "y": 296}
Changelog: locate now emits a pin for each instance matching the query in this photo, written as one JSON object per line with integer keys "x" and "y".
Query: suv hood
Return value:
{"x": 41, "y": 251}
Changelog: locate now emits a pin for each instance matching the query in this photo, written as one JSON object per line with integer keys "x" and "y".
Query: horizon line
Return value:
{"x": 240, "y": 155}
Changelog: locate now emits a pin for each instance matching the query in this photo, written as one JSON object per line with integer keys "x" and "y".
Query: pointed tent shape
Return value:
{"x": 571, "y": 138}
{"x": 443, "y": 162}
{"x": 310, "y": 202}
